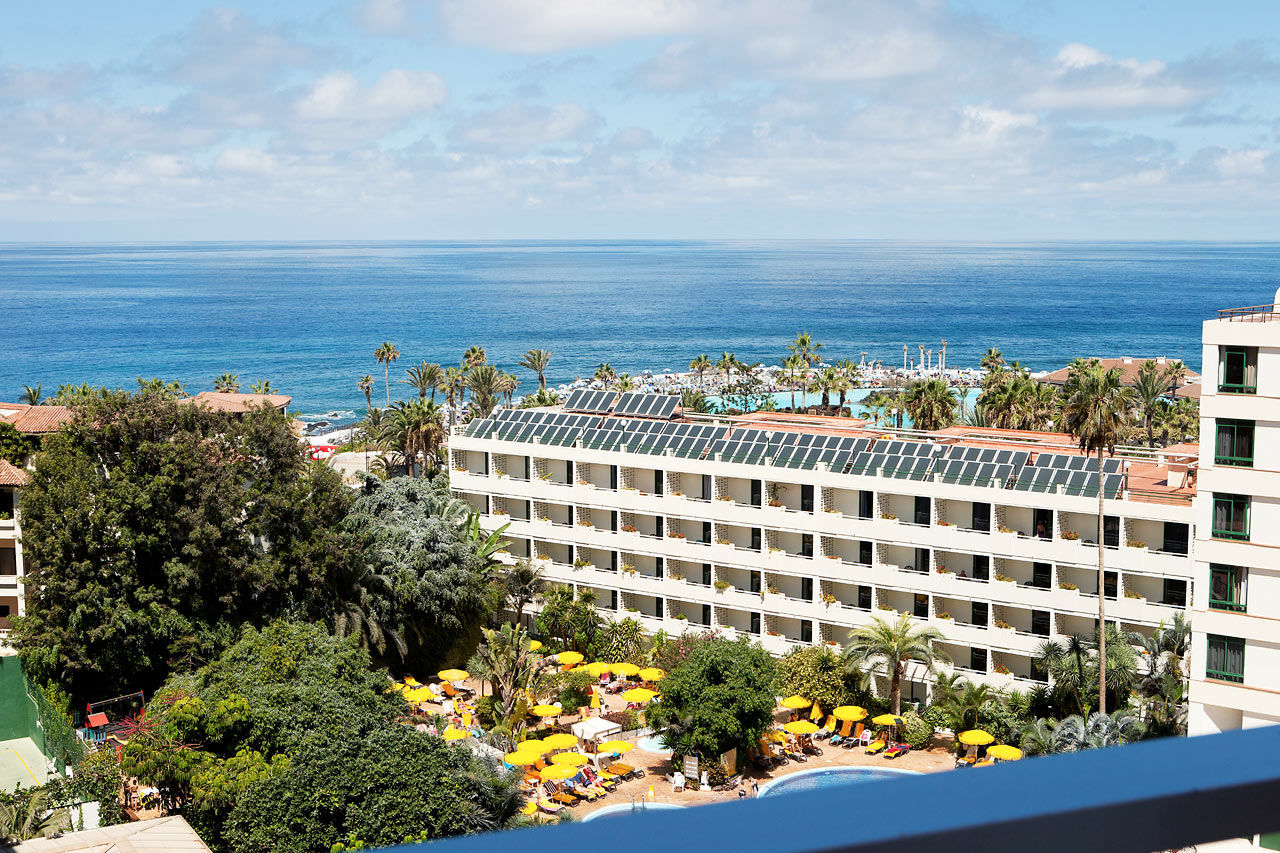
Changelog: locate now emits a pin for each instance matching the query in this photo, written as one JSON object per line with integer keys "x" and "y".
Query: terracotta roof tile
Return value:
{"x": 12, "y": 475}
{"x": 219, "y": 401}
{"x": 35, "y": 419}
{"x": 1128, "y": 370}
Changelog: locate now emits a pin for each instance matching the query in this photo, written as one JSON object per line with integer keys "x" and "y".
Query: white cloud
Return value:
{"x": 1248, "y": 163}
{"x": 396, "y": 94}
{"x": 249, "y": 161}
{"x": 383, "y": 17}
{"x": 1085, "y": 79}
{"x": 515, "y": 128}
{"x": 550, "y": 25}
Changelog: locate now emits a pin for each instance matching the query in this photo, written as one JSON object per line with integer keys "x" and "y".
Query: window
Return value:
{"x": 4, "y": 611}
{"x": 982, "y": 517}
{"x": 806, "y": 544}
{"x": 1176, "y": 536}
{"x": 978, "y": 659}
{"x": 1175, "y": 592}
{"x": 1044, "y": 523}
{"x": 756, "y": 490}
{"x": 864, "y": 597}
{"x": 1226, "y": 588}
{"x": 865, "y": 553}
{"x": 922, "y": 560}
{"x": 613, "y": 599}
{"x": 806, "y": 631}
{"x": 1111, "y": 531}
{"x": 980, "y": 613}
{"x": 1040, "y": 623}
{"x": 866, "y": 504}
{"x": 981, "y": 567}
{"x": 1225, "y": 660}
{"x": 922, "y": 510}
{"x": 1238, "y": 370}
{"x": 706, "y": 614}
{"x": 921, "y": 608}
{"x": 806, "y": 498}
{"x": 706, "y": 487}
{"x": 1235, "y": 443}
{"x": 755, "y": 623}
{"x": 1231, "y": 517}
{"x": 706, "y": 532}
{"x": 1109, "y": 583}
{"x": 806, "y": 589}
{"x": 613, "y": 477}
{"x": 754, "y": 582}
{"x": 659, "y": 482}
{"x": 755, "y": 539}
{"x": 706, "y": 574}
{"x": 1041, "y": 575}
{"x": 657, "y": 607}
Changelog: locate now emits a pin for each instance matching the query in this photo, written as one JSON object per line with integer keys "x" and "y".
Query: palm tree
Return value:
{"x": 32, "y": 396}
{"x": 931, "y": 404}
{"x": 1148, "y": 390}
{"x": 485, "y": 384}
{"x": 624, "y": 382}
{"x": 509, "y": 382}
{"x": 360, "y": 612}
{"x": 34, "y": 818}
{"x": 894, "y": 645}
{"x": 826, "y": 382}
{"x": 992, "y": 360}
{"x": 521, "y": 584}
{"x": 227, "y": 383}
{"x": 366, "y": 385}
{"x": 726, "y": 363}
{"x": 605, "y": 373}
{"x": 539, "y": 399}
{"x": 805, "y": 347}
{"x": 851, "y": 373}
{"x": 474, "y": 357}
{"x": 942, "y": 355}
{"x": 262, "y": 386}
{"x": 513, "y": 672}
{"x": 700, "y": 365}
{"x": 414, "y": 429}
{"x": 386, "y": 354}
{"x": 426, "y": 377}
{"x": 692, "y": 400}
{"x": 537, "y": 360}
{"x": 1095, "y": 411}
{"x": 454, "y": 384}
{"x": 791, "y": 366}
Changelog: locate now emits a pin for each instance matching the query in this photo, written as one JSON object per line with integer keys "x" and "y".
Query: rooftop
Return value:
{"x": 163, "y": 835}
{"x": 224, "y": 401}
{"x": 1128, "y": 367}
{"x": 12, "y": 475}
{"x": 35, "y": 420}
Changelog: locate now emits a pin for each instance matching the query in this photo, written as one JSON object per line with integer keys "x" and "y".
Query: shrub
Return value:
{"x": 1137, "y": 543}
{"x": 722, "y": 585}
{"x": 1000, "y": 623}
{"x": 935, "y": 715}
{"x": 1129, "y": 593}
{"x": 485, "y": 711}
{"x": 1070, "y": 535}
{"x": 916, "y": 730}
{"x": 1001, "y": 669}
{"x": 816, "y": 673}
{"x": 1067, "y": 585}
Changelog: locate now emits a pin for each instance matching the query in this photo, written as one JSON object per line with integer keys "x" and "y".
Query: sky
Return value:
{"x": 141, "y": 120}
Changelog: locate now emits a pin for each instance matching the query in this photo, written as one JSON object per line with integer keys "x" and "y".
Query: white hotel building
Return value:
{"x": 794, "y": 529}
{"x": 1235, "y": 667}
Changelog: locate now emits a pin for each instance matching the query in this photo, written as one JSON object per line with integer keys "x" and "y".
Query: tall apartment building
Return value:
{"x": 1235, "y": 678}
{"x": 795, "y": 529}
{"x": 32, "y": 421}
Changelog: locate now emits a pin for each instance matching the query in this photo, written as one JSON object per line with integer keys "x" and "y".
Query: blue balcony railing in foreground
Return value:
{"x": 1158, "y": 795}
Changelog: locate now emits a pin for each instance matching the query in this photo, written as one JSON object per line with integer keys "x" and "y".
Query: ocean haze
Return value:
{"x": 308, "y": 316}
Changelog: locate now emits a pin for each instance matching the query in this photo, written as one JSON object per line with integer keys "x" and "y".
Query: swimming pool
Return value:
{"x": 826, "y": 777}
{"x": 627, "y": 809}
{"x": 652, "y": 743}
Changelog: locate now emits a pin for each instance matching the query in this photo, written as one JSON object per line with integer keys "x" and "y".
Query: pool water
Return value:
{"x": 628, "y": 809}
{"x": 827, "y": 777}
{"x": 652, "y": 743}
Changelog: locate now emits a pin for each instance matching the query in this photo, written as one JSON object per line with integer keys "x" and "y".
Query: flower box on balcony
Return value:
{"x": 722, "y": 586}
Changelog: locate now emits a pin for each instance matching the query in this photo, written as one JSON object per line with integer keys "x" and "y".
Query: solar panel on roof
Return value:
{"x": 587, "y": 400}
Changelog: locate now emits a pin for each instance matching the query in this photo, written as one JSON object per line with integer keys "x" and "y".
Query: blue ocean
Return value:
{"x": 308, "y": 316}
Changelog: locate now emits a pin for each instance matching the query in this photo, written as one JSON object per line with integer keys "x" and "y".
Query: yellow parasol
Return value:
{"x": 397, "y": 687}
{"x": 453, "y": 674}
{"x": 595, "y": 699}
{"x": 850, "y": 713}
{"x": 801, "y": 727}
{"x": 795, "y": 703}
{"x": 626, "y": 670}
{"x": 533, "y": 747}
{"x": 563, "y": 740}
{"x": 653, "y": 674}
{"x": 456, "y": 734}
{"x": 976, "y": 737}
{"x": 534, "y": 645}
{"x": 572, "y": 759}
{"x": 411, "y": 681}
{"x": 529, "y": 809}
{"x": 1004, "y": 752}
{"x": 558, "y": 771}
{"x": 817, "y": 712}
{"x": 598, "y": 668}
{"x": 417, "y": 694}
{"x": 520, "y": 758}
{"x": 569, "y": 658}
{"x": 638, "y": 694}
{"x": 888, "y": 720}
{"x": 616, "y": 746}
{"x": 545, "y": 711}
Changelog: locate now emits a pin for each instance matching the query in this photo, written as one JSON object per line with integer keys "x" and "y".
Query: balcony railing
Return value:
{"x": 1251, "y": 314}
{"x": 1192, "y": 791}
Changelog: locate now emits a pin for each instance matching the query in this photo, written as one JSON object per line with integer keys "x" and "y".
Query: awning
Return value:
{"x": 98, "y": 719}
{"x": 594, "y": 728}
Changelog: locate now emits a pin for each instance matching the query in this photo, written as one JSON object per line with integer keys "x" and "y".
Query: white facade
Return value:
{"x": 1235, "y": 665}
{"x": 680, "y": 542}
{"x": 12, "y": 602}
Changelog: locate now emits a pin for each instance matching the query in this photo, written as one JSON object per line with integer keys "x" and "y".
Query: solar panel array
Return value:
{"x": 982, "y": 466}
{"x": 1071, "y": 474}
{"x": 906, "y": 460}
{"x": 646, "y": 405}
{"x": 586, "y": 400}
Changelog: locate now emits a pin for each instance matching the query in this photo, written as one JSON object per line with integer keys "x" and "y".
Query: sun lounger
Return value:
{"x": 840, "y": 737}
{"x": 828, "y": 728}
{"x": 876, "y": 746}
{"x": 766, "y": 749}
{"x": 548, "y": 806}
{"x": 599, "y": 779}
{"x": 583, "y": 791}
{"x": 559, "y": 796}
{"x": 626, "y": 771}
{"x": 896, "y": 750}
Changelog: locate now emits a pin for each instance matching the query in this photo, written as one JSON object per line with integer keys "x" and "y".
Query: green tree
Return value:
{"x": 262, "y": 386}
{"x": 1095, "y": 411}
{"x": 806, "y": 348}
{"x": 14, "y": 446}
{"x": 474, "y": 357}
{"x": 931, "y": 404}
{"x": 1148, "y": 391}
{"x": 538, "y": 360}
{"x": 520, "y": 583}
{"x": 227, "y": 383}
{"x": 818, "y": 674}
{"x": 365, "y": 384}
{"x": 485, "y": 383}
{"x": 893, "y": 645}
{"x": 720, "y": 697}
{"x": 426, "y": 378}
{"x": 605, "y": 373}
{"x": 700, "y": 365}
{"x": 384, "y": 355}
{"x": 539, "y": 399}
{"x": 153, "y": 530}
{"x": 32, "y": 396}
{"x": 573, "y": 620}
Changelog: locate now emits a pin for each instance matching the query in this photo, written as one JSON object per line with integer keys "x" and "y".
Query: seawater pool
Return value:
{"x": 827, "y": 777}
{"x": 627, "y": 809}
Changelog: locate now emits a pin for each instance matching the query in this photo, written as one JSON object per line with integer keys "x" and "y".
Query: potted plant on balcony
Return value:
{"x": 585, "y": 524}
{"x": 677, "y": 493}
{"x": 833, "y": 556}
{"x": 1067, "y": 585}
{"x": 675, "y": 576}
{"x": 721, "y": 586}
{"x": 1136, "y": 543}
{"x": 1001, "y": 625}
{"x": 945, "y": 615}
{"x": 722, "y": 541}
{"x": 674, "y": 535}
{"x": 581, "y": 563}
{"x": 1005, "y": 529}
{"x": 725, "y": 498}
{"x": 832, "y": 510}
{"x": 828, "y": 599}
{"x": 681, "y": 616}
{"x": 1001, "y": 669}
{"x": 630, "y": 528}
{"x": 582, "y": 482}
{"x": 1002, "y": 578}
{"x": 1134, "y": 594}
{"x": 1070, "y": 536}
{"x": 775, "y": 503}
{"x": 887, "y": 608}
{"x": 942, "y": 523}
{"x": 498, "y": 472}
{"x": 942, "y": 570}
{"x": 888, "y": 516}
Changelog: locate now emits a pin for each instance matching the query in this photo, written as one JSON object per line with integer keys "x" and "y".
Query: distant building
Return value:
{"x": 1129, "y": 368}
{"x": 32, "y": 421}
{"x": 237, "y": 404}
